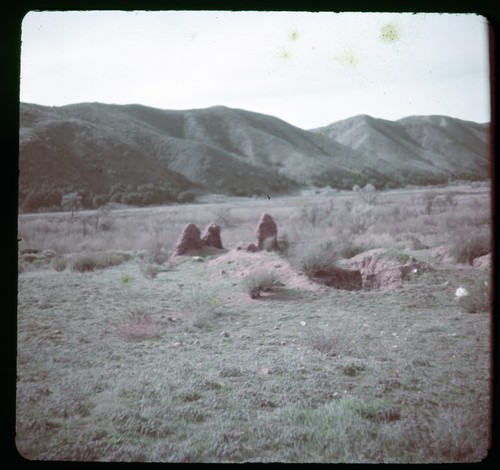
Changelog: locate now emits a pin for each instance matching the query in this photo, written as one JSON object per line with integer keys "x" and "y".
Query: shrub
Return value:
{"x": 201, "y": 307}
{"x": 321, "y": 256}
{"x": 259, "y": 280}
{"x": 478, "y": 299}
{"x": 323, "y": 342}
{"x": 224, "y": 217}
{"x": 466, "y": 247}
{"x": 157, "y": 255}
{"x": 150, "y": 270}
{"x": 347, "y": 248}
{"x": 59, "y": 263}
{"x": 283, "y": 245}
{"x": 106, "y": 225}
{"x": 139, "y": 326}
{"x": 186, "y": 197}
{"x": 89, "y": 261}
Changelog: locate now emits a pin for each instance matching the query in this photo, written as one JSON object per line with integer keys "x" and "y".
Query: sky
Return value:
{"x": 309, "y": 69}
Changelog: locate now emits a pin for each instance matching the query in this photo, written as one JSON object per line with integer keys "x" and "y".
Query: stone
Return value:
{"x": 211, "y": 236}
{"x": 247, "y": 247}
{"x": 189, "y": 240}
{"x": 267, "y": 233}
{"x": 482, "y": 261}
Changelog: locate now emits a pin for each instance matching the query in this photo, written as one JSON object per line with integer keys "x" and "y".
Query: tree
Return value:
{"x": 71, "y": 202}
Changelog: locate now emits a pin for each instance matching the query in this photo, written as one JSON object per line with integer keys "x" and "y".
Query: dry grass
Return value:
{"x": 259, "y": 280}
{"x": 140, "y": 326}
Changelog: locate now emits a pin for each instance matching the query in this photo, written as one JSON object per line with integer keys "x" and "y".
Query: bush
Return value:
{"x": 186, "y": 197}
{"x": 259, "y": 280}
{"x": 139, "y": 326}
{"x": 106, "y": 225}
{"x": 201, "y": 307}
{"x": 478, "y": 299}
{"x": 88, "y": 261}
{"x": 466, "y": 247}
{"x": 283, "y": 245}
{"x": 347, "y": 248}
{"x": 150, "y": 270}
{"x": 59, "y": 263}
{"x": 321, "y": 256}
{"x": 323, "y": 342}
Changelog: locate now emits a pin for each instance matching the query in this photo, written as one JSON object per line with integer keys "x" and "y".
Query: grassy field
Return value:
{"x": 127, "y": 355}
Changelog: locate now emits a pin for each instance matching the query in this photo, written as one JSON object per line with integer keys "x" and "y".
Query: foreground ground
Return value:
{"x": 184, "y": 366}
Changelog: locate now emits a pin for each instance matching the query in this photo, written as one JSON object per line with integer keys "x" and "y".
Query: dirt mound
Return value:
{"x": 211, "y": 236}
{"x": 267, "y": 230}
{"x": 190, "y": 240}
{"x": 240, "y": 263}
{"x": 378, "y": 272}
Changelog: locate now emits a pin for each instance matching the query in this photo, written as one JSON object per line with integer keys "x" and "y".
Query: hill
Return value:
{"x": 417, "y": 148}
{"x": 140, "y": 155}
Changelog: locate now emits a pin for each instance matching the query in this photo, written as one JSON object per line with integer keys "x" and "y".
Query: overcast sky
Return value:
{"x": 309, "y": 69}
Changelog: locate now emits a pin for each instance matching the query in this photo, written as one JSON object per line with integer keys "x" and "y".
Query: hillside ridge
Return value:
{"x": 135, "y": 154}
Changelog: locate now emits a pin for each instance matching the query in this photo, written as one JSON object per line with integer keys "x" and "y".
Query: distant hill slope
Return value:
{"x": 140, "y": 155}
{"x": 416, "y": 146}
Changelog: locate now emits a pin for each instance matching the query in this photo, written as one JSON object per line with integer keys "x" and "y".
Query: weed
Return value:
{"x": 259, "y": 280}
{"x": 127, "y": 279}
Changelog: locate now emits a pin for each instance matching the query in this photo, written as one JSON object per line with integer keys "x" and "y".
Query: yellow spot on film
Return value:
{"x": 389, "y": 33}
{"x": 349, "y": 58}
{"x": 294, "y": 35}
{"x": 284, "y": 55}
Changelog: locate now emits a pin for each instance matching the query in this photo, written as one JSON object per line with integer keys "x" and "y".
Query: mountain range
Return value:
{"x": 141, "y": 155}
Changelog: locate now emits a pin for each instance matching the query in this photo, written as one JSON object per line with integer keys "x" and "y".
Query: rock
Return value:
{"x": 267, "y": 233}
{"x": 248, "y": 247}
{"x": 212, "y": 236}
{"x": 189, "y": 240}
{"x": 340, "y": 278}
{"x": 482, "y": 261}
